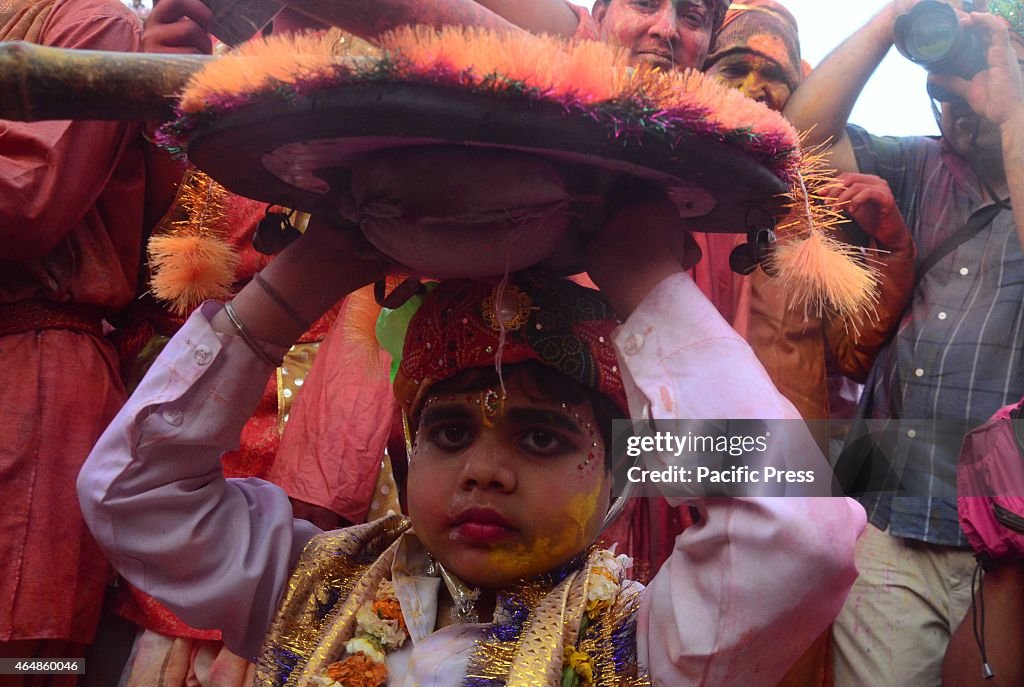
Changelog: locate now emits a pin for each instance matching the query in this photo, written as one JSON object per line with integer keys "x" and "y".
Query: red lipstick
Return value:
{"x": 481, "y": 526}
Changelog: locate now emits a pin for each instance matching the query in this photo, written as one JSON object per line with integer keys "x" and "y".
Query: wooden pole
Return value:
{"x": 39, "y": 83}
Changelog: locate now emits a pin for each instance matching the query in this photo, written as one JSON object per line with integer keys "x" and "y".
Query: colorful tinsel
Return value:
{"x": 587, "y": 79}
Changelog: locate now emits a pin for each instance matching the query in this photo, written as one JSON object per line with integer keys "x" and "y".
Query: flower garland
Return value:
{"x": 380, "y": 628}
{"x": 605, "y": 581}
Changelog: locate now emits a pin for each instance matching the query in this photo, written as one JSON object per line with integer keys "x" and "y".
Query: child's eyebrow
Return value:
{"x": 551, "y": 418}
{"x": 446, "y": 413}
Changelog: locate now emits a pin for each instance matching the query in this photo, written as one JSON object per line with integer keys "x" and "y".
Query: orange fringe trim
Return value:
{"x": 591, "y": 71}
{"x": 190, "y": 268}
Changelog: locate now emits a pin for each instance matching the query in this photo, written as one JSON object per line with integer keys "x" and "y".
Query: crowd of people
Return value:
{"x": 262, "y": 508}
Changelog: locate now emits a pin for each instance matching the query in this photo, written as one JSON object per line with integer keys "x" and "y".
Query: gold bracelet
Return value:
{"x": 247, "y": 337}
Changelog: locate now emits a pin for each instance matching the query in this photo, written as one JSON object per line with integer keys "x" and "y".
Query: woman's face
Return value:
{"x": 502, "y": 491}
{"x": 756, "y": 76}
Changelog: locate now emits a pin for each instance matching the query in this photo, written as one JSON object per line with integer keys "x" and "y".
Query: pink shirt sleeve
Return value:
{"x": 750, "y": 586}
{"x": 52, "y": 173}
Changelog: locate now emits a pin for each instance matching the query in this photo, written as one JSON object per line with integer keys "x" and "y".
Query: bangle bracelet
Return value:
{"x": 281, "y": 302}
{"x": 247, "y": 337}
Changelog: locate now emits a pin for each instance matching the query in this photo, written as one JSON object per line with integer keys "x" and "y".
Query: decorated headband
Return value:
{"x": 764, "y": 27}
{"x": 466, "y": 324}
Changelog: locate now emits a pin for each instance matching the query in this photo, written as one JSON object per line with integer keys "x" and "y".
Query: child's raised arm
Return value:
{"x": 751, "y": 585}
{"x": 218, "y": 552}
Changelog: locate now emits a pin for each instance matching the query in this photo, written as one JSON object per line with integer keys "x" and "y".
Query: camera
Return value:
{"x": 931, "y": 35}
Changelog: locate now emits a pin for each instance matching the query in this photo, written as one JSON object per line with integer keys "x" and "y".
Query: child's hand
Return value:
{"x": 328, "y": 262}
{"x": 178, "y": 26}
{"x": 641, "y": 244}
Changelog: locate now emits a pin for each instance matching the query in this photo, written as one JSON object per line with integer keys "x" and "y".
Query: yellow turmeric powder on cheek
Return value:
{"x": 566, "y": 534}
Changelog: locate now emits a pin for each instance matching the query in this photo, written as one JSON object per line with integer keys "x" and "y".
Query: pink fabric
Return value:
{"x": 71, "y": 198}
{"x": 648, "y": 528}
{"x": 990, "y": 473}
{"x": 334, "y": 441}
{"x": 260, "y": 437}
{"x": 727, "y": 290}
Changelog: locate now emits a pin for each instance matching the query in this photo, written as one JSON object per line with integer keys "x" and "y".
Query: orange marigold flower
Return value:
{"x": 358, "y": 671}
{"x": 389, "y": 609}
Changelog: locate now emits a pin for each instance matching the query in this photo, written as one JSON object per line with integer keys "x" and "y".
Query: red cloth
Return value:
{"x": 71, "y": 196}
{"x": 553, "y": 321}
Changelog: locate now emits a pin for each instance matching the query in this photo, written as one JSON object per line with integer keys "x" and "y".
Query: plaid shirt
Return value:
{"x": 956, "y": 357}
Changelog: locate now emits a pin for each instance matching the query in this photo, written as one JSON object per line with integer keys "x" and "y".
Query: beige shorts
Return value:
{"x": 906, "y": 603}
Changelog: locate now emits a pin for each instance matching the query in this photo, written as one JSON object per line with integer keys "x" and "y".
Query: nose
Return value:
{"x": 663, "y": 24}
{"x": 753, "y": 86}
{"x": 485, "y": 467}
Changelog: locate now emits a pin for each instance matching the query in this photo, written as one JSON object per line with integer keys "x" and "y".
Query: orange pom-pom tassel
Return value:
{"x": 821, "y": 274}
{"x": 189, "y": 268}
{"x": 825, "y": 275}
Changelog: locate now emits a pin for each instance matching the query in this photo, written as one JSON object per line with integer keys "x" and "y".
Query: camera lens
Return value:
{"x": 927, "y": 33}
{"x": 931, "y": 35}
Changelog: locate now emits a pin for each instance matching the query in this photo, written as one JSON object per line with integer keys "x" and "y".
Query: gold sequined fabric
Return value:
{"x": 335, "y": 574}
{"x": 340, "y": 570}
{"x": 291, "y": 375}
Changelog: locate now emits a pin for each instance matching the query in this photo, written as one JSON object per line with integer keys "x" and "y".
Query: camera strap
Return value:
{"x": 978, "y": 220}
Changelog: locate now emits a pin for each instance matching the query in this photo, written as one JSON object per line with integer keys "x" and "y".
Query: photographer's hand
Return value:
{"x": 996, "y": 93}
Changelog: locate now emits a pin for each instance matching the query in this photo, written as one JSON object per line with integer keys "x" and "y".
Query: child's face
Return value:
{"x": 501, "y": 492}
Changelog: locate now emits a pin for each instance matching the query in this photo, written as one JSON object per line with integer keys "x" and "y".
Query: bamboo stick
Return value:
{"x": 39, "y": 82}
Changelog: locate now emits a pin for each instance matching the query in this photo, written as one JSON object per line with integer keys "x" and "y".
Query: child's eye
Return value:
{"x": 544, "y": 443}
{"x": 451, "y": 437}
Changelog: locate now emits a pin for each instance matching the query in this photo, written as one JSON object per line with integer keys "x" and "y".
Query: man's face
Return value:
{"x": 670, "y": 34}
{"x": 754, "y": 75}
{"x": 969, "y": 134}
{"x": 502, "y": 492}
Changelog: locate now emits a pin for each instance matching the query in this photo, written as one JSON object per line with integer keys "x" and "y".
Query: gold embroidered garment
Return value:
{"x": 524, "y": 646}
